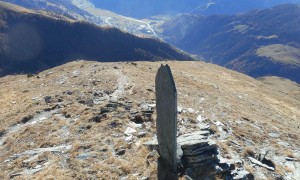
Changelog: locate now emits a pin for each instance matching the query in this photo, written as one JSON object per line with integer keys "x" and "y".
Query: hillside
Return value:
{"x": 31, "y": 41}
{"x": 64, "y": 7}
{"x": 85, "y": 10}
{"x": 283, "y": 85}
{"x": 89, "y": 120}
{"x": 142, "y": 17}
{"x": 258, "y": 43}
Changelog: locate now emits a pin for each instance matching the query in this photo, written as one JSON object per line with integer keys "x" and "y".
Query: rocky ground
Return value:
{"x": 90, "y": 120}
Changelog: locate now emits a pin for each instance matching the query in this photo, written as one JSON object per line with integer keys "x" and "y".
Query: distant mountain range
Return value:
{"x": 146, "y": 9}
{"x": 85, "y": 10}
{"x": 139, "y": 16}
{"x": 258, "y": 43}
{"x": 31, "y": 41}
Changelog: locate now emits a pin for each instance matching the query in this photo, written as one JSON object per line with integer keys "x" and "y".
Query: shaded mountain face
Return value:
{"x": 33, "y": 41}
{"x": 143, "y": 9}
{"x": 258, "y": 43}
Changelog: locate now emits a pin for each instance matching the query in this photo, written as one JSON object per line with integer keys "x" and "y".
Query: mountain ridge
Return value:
{"x": 87, "y": 119}
{"x": 256, "y": 43}
{"x": 147, "y": 9}
{"x": 33, "y": 41}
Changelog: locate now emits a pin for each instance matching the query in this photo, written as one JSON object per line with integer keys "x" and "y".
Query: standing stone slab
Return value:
{"x": 166, "y": 123}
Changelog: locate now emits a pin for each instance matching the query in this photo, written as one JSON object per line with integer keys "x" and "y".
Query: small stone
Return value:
{"x": 190, "y": 110}
{"x": 218, "y": 123}
{"x": 201, "y": 100}
{"x": 138, "y": 119}
{"x": 37, "y": 166}
{"x": 135, "y": 126}
{"x": 254, "y": 161}
{"x": 120, "y": 152}
{"x": 98, "y": 118}
{"x": 49, "y": 73}
{"x": 114, "y": 124}
{"x": 141, "y": 134}
{"x": 129, "y": 138}
{"x": 179, "y": 109}
{"x": 129, "y": 131}
{"x": 84, "y": 156}
{"x": 199, "y": 118}
{"x": 47, "y": 99}
{"x": 290, "y": 159}
{"x": 103, "y": 150}
{"x": 274, "y": 135}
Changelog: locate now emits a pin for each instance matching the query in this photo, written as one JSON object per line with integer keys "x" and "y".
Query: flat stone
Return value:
{"x": 200, "y": 161}
{"x": 141, "y": 134}
{"x": 254, "y": 161}
{"x": 203, "y": 127}
{"x": 179, "y": 108}
{"x": 193, "y": 134}
{"x": 290, "y": 159}
{"x": 198, "y": 151}
{"x": 274, "y": 135}
{"x": 135, "y": 125}
{"x": 42, "y": 150}
{"x": 84, "y": 156}
{"x": 199, "y": 158}
{"x": 129, "y": 138}
{"x": 199, "y": 118}
{"x": 129, "y": 131}
{"x": 196, "y": 142}
{"x": 189, "y": 139}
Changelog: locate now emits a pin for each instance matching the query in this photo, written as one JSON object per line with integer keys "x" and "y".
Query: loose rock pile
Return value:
{"x": 197, "y": 149}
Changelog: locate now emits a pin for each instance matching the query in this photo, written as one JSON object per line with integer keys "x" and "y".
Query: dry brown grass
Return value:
{"x": 289, "y": 153}
{"x": 282, "y": 170}
{"x": 248, "y": 152}
{"x": 281, "y": 53}
{"x": 225, "y": 149}
{"x": 250, "y": 169}
{"x": 264, "y": 107}
{"x": 214, "y": 129}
